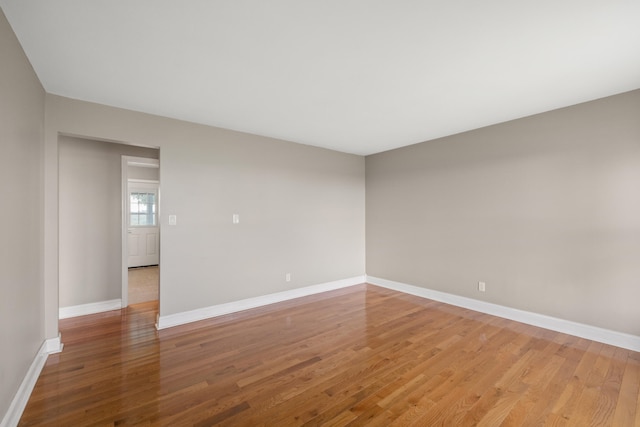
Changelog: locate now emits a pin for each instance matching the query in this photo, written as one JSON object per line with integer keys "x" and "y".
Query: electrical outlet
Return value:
{"x": 482, "y": 286}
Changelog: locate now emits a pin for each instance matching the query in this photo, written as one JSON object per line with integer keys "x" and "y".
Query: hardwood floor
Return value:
{"x": 143, "y": 284}
{"x": 363, "y": 355}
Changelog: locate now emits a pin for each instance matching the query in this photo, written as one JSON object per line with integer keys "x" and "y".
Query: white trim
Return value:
{"x": 124, "y": 207}
{"x": 245, "y": 304}
{"x": 19, "y": 402}
{"x": 143, "y": 181}
{"x": 54, "y": 345}
{"x": 143, "y": 162}
{"x": 91, "y": 308}
{"x": 594, "y": 333}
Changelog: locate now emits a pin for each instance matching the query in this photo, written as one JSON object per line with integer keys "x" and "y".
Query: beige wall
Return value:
{"x": 90, "y": 202}
{"x": 545, "y": 210}
{"x": 301, "y": 208}
{"x": 21, "y": 195}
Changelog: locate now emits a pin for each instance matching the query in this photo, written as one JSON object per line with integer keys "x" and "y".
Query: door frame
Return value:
{"x": 126, "y": 162}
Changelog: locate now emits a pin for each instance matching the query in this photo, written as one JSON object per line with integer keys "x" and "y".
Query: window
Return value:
{"x": 142, "y": 209}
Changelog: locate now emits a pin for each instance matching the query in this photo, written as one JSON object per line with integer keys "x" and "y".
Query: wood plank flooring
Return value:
{"x": 363, "y": 355}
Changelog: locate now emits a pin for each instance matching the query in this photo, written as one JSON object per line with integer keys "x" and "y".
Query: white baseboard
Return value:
{"x": 91, "y": 308}
{"x": 245, "y": 304}
{"x": 594, "y": 333}
{"x": 19, "y": 402}
{"x": 54, "y": 345}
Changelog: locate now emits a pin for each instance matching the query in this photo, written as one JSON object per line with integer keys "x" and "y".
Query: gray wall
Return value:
{"x": 301, "y": 208}
{"x": 21, "y": 192}
{"x": 90, "y": 190}
{"x": 545, "y": 210}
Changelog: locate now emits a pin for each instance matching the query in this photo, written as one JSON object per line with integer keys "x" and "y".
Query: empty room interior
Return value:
{"x": 358, "y": 213}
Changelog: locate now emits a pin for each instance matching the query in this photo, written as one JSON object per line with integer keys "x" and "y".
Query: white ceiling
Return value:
{"x": 359, "y": 76}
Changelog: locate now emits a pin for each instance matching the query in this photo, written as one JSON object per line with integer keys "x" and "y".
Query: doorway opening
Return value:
{"x": 90, "y": 223}
{"x": 141, "y": 230}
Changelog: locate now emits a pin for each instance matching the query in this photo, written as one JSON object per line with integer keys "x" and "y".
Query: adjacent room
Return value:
{"x": 341, "y": 213}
